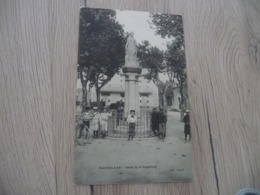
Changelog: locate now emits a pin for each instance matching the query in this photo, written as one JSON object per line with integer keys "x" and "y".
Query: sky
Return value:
{"x": 137, "y": 22}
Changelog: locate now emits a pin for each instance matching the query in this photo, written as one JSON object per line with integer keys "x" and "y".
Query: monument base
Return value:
{"x": 132, "y": 69}
{"x": 118, "y": 127}
{"x": 122, "y": 131}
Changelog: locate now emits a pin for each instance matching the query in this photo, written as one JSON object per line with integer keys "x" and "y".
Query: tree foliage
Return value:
{"x": 171, "y": 26}
{"x": 152, "y": 58}
{"x": 101, "y": 47}
{"x": 167, "y": 25}
{"x": 175, "y": 62}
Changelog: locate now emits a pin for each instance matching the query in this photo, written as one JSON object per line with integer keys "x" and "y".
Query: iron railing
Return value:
{"x": 118, "y": 126}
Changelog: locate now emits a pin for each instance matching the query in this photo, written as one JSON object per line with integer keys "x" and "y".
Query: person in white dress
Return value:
{"x": 95, "y": 122}
{"x": 104, "y": 116}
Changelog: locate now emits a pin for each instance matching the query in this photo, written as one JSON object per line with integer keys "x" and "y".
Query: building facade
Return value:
{"x": 114, "y": 91}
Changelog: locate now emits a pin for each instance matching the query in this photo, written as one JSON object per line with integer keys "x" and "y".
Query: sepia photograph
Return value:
{"x": 132, "y": 108}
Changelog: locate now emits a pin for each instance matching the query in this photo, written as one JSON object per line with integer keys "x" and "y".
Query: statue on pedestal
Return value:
{"x": 131, "y": 51}
{"x": 132, "y": 70}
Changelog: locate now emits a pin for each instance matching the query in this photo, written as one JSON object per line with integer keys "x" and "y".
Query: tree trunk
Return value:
{"x": 161, "y": 95}
{"x": 98, "y": 97}
{"x": 84, "y": 97}
{"x": 161, "y": 86}
{"x": 84, "y": 83}
{"x": 183, "y": 107}
{"x": 182, "y": 112}
{"x": 164, "y": 94}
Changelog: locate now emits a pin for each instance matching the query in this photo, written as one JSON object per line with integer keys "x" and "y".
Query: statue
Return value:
{"x": 131, "y": 71}
{"x": 131, "y": 51}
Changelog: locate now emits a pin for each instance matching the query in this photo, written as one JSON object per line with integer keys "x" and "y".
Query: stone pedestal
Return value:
{"x": 132, "y": 102}
{"x": 132, "y": 88}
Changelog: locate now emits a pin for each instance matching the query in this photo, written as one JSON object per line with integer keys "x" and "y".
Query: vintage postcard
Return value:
{"x": 132, "y": 118}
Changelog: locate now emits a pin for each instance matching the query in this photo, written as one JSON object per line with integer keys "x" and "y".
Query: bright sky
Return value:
{"x": 137, "y": 22}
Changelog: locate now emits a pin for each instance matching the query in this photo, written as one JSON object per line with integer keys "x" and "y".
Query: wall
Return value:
{"x": 37, "y": 101}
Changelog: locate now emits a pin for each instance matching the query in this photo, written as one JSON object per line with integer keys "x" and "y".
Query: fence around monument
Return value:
{"x": 118, "y": 126}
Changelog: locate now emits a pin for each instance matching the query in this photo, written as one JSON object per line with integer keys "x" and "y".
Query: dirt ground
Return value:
{"x": 142, "y": 160}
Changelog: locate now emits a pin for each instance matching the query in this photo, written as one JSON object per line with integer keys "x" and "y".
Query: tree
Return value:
{"x": 167, "y": 25}
{"x": 152, "y": 58}
{"x": 176, "y": 64}
{"x": 171, "y": 26}
{"x": 101, "y": 49}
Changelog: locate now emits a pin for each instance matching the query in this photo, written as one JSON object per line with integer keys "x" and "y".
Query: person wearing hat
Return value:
{"x": 95, "y": 122}
{"x": 104, "y": 121}
{"x": 162, "y": 123}
{"x": 155, "y": 121}
{"x": 86, "y": 117}
{"x": 186, "y": 120}
{"x": 132, "y": 120}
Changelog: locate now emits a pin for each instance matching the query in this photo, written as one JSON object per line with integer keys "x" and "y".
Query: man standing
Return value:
{"x": 155, "y": 121}
{"x": 186, "y": 120}
{"x": 132, "y": 120}
{"x": 162, "y": 123}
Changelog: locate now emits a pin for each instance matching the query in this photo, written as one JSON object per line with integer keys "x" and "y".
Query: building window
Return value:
{"x": 108, "y": 101}
{"x": 147, "y": 101}
{"x": 140, "y": 101}
{"x": 105, "y": 94}
{"x": 143, "y": 95}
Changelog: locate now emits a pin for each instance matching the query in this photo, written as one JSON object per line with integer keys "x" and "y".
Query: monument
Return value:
{"x": 131, "y": 70}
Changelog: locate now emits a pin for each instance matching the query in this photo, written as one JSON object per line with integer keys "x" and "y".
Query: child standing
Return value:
{"x": 132, "y": 120}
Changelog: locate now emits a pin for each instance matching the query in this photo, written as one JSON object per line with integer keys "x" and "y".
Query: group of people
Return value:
{"x": 158, "y": 122}
{"x": 96, "y": 121}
